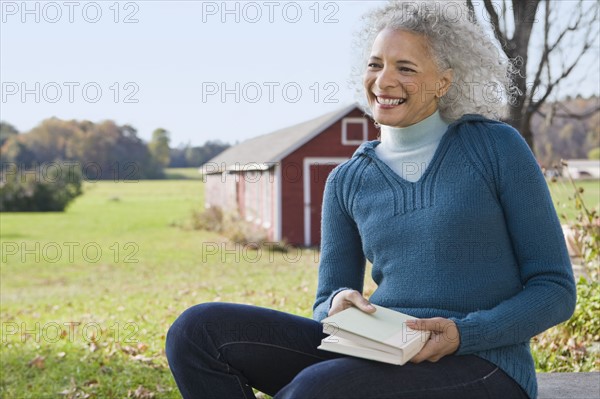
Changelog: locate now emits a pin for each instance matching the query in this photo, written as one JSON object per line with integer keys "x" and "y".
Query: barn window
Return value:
{"x": 354, "y": 131}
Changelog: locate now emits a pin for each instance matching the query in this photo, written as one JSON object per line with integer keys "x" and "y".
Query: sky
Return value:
{"x": 203, "y": 70}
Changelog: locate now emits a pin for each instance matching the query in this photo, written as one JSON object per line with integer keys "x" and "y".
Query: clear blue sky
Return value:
{"x": 160, "y": 69}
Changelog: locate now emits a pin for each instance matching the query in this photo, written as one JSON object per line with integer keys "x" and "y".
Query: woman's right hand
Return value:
{"x": 347, "y": 298}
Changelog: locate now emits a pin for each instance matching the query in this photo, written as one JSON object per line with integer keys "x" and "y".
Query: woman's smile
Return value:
{"x": 402, "y": 80}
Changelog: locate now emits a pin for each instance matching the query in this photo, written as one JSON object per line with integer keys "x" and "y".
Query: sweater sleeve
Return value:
{"x": 548, "y": 292}
{"x": 342, "y": 261}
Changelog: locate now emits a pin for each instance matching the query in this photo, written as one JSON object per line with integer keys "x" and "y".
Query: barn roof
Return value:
{"x": 262, "y": 152}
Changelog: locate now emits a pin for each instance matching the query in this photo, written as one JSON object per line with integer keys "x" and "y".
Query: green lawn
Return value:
{"x": 87, "y": 296}
{"x": 183, "y": 173}
{"x": 563, "y": 193}
{"x": 100, "y": 324}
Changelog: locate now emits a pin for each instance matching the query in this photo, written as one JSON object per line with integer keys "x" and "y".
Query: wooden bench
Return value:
{"x": 569, "y": 385}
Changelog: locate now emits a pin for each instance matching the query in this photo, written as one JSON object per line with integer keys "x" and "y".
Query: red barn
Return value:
{"x": 276, "y": 180}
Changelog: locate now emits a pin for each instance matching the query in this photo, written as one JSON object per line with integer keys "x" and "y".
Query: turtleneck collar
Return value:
{"x": 427, "y": 131}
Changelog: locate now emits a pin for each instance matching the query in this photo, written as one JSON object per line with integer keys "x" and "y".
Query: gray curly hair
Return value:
{"x": 482, "y": 73}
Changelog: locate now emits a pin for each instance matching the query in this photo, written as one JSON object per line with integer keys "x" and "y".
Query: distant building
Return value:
{"x": 583, "y": 168}
{"x": 276, "y": 180}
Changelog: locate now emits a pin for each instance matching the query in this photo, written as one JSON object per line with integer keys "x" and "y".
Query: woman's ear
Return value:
{"x": 445, "y": 82}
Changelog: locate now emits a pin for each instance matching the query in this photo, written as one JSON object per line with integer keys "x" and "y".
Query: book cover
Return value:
{"x": 381, "y": 336}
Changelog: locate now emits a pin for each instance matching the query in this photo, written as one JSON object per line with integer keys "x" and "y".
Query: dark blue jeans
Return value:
{"x": 222, "y": 350}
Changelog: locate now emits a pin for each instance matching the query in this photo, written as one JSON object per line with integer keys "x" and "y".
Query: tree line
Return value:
{"x": 103, "y": 150}
{"x": 43, "y": 169}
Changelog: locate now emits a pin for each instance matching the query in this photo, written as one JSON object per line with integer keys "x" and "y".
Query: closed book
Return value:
{"x": 382, "y": 336}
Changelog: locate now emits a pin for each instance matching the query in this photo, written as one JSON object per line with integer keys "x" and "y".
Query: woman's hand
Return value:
{"x": 347, "y": 298}
{"x": 444, "y": 339}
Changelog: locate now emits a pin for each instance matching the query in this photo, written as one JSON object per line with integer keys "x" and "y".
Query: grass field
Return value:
{"x": 183, "y": 173}
{"x": 563, "y": 192}
{"x": 87, "y": 296}
{"x": 74, "y": 324}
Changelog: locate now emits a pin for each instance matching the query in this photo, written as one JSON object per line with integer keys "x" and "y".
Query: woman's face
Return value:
{"x": 402, "y": 81}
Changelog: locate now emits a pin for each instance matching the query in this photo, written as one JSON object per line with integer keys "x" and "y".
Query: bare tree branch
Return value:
{"x": 504, "y": 18}
{"x": 569, "y": 28}
{"x": 545, "y": 55}
{"x": 566, "y": 70}
{"x": 489, "y": 7}
{"x": 570, "y": 31}
{"x": 536, "y": 105}
{"x": 471, "y": 8}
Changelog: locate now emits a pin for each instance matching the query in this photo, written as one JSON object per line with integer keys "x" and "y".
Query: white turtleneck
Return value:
{"x": 408, "y": 150}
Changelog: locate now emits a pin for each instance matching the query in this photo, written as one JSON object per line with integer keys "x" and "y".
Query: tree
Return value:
{"x": 188, "y": 156}
{"x": 566, "y": 40}
{"x": 16, "y": 152}
{"x": 194, "y": 156}
{"x": 103, "y": 150}
{"x": 39, "y": 193}
{"x": 6, "y": 131}
{"x": 177, "y": 156}
{"x": 159, "y": 146}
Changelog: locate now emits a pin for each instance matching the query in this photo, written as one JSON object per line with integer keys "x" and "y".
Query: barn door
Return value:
{"x": 315, "y": 172}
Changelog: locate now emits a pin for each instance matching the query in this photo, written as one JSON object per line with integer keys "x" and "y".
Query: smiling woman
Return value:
{"x": 403, "y": 83}
{"x": 454, "y": 214}
{"x": 479, "y": 72}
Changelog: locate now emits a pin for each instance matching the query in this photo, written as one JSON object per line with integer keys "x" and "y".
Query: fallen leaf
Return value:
{"x": 142, "y": 358}
{"x": 140, "y": 393}
{"x": 142, "y": 347}
{"x": 37, "y": 362}
{"x": 91, "y": 383}
{"x": 129, "y": 350}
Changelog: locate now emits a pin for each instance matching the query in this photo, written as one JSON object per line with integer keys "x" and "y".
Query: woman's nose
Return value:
{"x": 385, "y": 78}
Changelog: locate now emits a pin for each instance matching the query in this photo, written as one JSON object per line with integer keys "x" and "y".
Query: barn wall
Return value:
{"x": 220, "y": 190}
{"x": 326, "y": 144}
{"x": 257, "y": 200}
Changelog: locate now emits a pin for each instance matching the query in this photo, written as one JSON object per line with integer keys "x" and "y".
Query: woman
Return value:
{"x": 453, "y": 212}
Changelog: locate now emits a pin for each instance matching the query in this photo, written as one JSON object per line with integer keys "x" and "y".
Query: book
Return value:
{"x": 381, "y": 336}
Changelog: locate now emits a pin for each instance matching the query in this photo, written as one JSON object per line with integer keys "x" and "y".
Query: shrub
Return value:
{"x": 232, "y": 226}
{"x": 242, "y": 232}
{"x": 575, "y": 344}
{"x": 210, "y": 219}
{"x": 20, "y": 192}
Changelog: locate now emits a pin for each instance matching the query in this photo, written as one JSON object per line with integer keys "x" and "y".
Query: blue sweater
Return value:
{"x": 476, "y": 239}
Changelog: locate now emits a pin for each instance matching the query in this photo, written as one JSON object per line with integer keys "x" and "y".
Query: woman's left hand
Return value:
{"x": 444, "y": 339}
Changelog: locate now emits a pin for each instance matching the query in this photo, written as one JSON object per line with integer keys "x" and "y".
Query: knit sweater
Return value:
{"x": 476, "y": 239}
{"x": 408, "y": 150}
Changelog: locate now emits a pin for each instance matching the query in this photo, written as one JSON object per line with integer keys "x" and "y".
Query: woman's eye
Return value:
{"x": 405, "y": 69}
{"x": 373, "y": 65}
